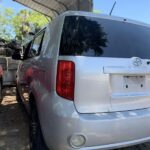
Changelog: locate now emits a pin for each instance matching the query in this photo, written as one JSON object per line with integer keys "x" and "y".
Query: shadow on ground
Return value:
{"x": 13, "y": 123}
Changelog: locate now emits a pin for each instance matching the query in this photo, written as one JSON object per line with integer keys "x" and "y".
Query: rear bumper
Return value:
{"x": 101, "y": 130}
{"x": 117, "y": 145}
{"x": 115, "y": 130}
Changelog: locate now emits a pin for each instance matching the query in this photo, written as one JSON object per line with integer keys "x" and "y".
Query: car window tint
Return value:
{"x": 97, "y": 37}
{"x": 46, "y": 40}
{"x": 36, "y": 45}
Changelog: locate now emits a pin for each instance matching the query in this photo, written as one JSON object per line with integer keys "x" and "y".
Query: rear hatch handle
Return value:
{"x": 126, "y": 70}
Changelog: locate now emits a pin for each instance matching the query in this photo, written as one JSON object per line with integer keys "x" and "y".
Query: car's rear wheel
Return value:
{"x": 1, "y": 90}
{"x": 18, "y": 96}
{"x": 36, "y": 137}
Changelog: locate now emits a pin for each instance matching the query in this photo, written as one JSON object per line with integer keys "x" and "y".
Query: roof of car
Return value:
{"x": 102, "y": 16}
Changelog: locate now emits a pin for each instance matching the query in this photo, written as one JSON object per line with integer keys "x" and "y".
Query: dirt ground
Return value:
{"x": 14, "y": 125}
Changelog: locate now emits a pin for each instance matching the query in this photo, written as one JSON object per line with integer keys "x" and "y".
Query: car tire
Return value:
{"x": 36, "y": 137}
{"x": 1, "y": 91}
{"x": 18, "y": 99}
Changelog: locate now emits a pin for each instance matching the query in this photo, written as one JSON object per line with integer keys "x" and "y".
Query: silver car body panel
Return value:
{"x": 107, "y": 113}
{"x": 106, "y": 85}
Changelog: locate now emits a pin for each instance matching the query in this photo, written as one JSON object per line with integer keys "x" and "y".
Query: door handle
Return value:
{"x": 33, "y": 62}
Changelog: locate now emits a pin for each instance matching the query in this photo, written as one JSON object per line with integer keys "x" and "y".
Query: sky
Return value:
{"x": 11, "y": 4}
{"x": 132, "y": 9}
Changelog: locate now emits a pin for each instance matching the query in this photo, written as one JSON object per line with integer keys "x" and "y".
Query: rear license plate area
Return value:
{"x": 134, "y": 83}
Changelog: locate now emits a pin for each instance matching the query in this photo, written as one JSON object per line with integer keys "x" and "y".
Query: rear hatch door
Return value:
{"x": 111, "y": 84}
{"x": 129, "y": 85}
{"x": 109, "y": 74}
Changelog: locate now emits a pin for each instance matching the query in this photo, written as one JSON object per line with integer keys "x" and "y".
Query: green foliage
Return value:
{"x": 6, "y": 31}
{"x": 19, "y": 25}
{"x": 96, "y": 11}
{"x": 37, "y": 19}
{"x": 28, "y": 21}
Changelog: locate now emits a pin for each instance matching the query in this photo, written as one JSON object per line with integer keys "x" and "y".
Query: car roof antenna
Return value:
{"x": 112, "y": 8}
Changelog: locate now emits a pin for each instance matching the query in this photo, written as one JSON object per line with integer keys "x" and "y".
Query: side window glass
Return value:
{"x": 26, "y": 49}
{"x": 46, "y": 40}
{"x": 36, "y": 46}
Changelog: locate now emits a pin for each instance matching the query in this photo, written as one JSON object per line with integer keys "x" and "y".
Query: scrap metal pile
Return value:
{"x": 7, "y": 47}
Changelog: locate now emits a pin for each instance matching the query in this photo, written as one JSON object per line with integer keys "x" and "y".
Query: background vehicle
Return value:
{"x": 87, "y": 80}
{"x": 7, "y": 64}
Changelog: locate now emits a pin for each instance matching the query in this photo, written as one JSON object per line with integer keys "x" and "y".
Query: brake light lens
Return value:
{"x": 65, "y": 79}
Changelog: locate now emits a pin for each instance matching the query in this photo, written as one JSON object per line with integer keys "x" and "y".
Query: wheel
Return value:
{"x": 1, "y": 91}
{"x": 36, "y": 137}
{"x": 18, "y": 96}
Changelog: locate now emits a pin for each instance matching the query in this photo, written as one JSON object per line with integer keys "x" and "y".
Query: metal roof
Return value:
{"x": 53, "y": 8}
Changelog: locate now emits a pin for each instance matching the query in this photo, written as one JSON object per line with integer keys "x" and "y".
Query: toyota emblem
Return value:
{"x": 137, "y": 61}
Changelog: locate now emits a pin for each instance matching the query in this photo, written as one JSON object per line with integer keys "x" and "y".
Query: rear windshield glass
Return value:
{"x": 95, "y": 37}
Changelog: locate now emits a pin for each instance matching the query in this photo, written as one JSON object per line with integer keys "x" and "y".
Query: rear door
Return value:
{"x": 129, "y": 84}
{"x": 27, "y": 69}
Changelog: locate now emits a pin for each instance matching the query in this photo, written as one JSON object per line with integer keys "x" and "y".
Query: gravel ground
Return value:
{"x": 14, "y": 125}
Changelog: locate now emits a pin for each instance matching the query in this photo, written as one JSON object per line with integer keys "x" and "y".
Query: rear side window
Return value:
{"x": 95, "y": 37}
{"x": 36, "y": 45}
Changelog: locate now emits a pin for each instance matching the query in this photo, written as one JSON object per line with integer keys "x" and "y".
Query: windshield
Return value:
{"x": 96, "y": 37}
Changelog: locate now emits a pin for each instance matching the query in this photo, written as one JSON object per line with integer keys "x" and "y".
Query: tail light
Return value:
{"x": 65, "y": 79}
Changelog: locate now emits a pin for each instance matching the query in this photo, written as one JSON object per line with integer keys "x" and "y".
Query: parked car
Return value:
{"x": 8, "y": 66}
{"x": 1, "y": 79}
{"x": 87, "y": 80}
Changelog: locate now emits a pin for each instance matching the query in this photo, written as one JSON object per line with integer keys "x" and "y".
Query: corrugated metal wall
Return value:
{"x": 55, "y": 7}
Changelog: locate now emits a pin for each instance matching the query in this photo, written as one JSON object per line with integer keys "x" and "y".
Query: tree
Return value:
{"x": 19, "y": 25}
{"x": 28, "y": 21}
{"x": 6, "y": 31}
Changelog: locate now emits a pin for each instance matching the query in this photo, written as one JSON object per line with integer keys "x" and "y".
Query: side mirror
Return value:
{"x": 17, "y": 55}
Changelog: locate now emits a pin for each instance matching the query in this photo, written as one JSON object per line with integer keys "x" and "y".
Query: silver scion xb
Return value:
{"x": 85, "y": 80}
